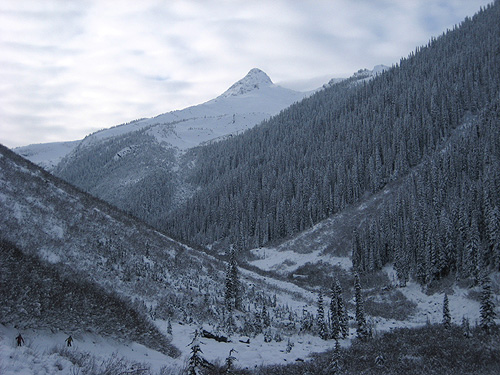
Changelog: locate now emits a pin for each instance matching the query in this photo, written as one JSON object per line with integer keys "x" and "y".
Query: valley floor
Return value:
{"x": 44, "y": 352}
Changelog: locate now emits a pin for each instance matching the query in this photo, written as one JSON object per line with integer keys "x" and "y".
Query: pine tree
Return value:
{"x": 266, "y": 319}
{"x": 334, "y": 315}
{"x": 342, "y": 310}
{"x": 446, "y": 312}
{"x": 169, "y": 326}
{"x": 466, "y": 327}
{"x": 362, "y": 329}
{"x": 335, "y": 365}
{"x": 487, "y": 306}
{"x": 232, "y": 298}
{"x": 338, "y": 314}
{"x": 228, "y": 298}
{"x": 322, "y": 331}
{"x": 493, "y": 222}
{"x": 196, "y": 361}
{"x": 401, "y": 265}
{"x": 230, "y": 361}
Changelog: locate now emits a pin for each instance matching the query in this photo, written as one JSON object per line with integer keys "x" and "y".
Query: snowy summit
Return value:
{"x": 254, "y": 80}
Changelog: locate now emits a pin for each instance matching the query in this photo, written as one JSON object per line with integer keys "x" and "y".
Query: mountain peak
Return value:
{"x": 254, "y": 80}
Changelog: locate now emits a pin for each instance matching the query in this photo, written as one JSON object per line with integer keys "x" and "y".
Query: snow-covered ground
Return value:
{"x": 38, "y": 356}
{"x": 430, "y": 307}
{"x": 285, "y": 261}
{"x": 256, "y": 353}
{"x": 40, "y": 353}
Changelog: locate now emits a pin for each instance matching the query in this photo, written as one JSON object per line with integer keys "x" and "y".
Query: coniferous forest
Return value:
{"x": 429, "y": 127}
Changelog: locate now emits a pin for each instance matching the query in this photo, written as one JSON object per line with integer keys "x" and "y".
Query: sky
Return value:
{"x": 71, "y": 67}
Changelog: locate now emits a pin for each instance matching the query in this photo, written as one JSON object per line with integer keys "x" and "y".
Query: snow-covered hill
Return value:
{"x": 47, "y": 155}
{"x": 138, "y": 166}
{"x": 61, "y": 233}
{"x": 246, "y": 103}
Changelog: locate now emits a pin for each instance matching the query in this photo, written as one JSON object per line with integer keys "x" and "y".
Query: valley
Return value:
{"x": 350, "y": 229}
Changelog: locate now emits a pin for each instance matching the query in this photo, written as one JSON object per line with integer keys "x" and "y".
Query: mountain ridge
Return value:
{"x": 241, "y": 100}
{"x": 254, "y": 80}
{"x": 232, "y": 102}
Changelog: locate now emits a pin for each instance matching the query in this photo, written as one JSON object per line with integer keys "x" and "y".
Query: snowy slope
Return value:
{"x": 245, "y": 104}
{"x": 91, "y": 241}
{"x": 137, "y": 166}
{"x": 46, "y": 155}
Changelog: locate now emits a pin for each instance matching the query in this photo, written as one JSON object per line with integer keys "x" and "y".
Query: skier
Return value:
{"x": 69, "y": 340}
{"x": 19, "y": 340}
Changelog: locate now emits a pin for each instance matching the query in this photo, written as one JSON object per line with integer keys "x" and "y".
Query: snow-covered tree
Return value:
{"x": 339, "y": 321}
{"x": 230, "y": 359}
{"x": 266, "y": 319}
{"x": 466, "y": 327}
{"x": 335, "y": 365}
{"x": 320, "y": 318}
{"x": 362, "y": 328}
{"x": 196, "y": 361}
{"x": 446, "y": 312}
{"x": 233, "y": 291}
{"x": 487, "y": 306}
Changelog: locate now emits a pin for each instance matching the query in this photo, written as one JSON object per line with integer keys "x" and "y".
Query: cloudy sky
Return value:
{"x": 70, "y": 67}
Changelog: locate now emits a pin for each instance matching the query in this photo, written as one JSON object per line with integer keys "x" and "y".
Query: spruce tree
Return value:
{"x": 446, "y": 312}
{"x": 196, "y": 361}
{"x": 230, "y": 361}
{"x": 338, "y": 313}
{"x": 335, "y": 365}
{"x": 228, "y": 297}
{"x": 322, "y": 331}
{"x": 342, "y": 309}
{"x": 466, "y": 327}
{"x": 487, "y": 306}
{"x": 334, "y": 315}
{"x": 169, "y": 326}
{"x": 266, "y": 319}
{"x": 232, "y": 298}
{"x": 361, "y": 329}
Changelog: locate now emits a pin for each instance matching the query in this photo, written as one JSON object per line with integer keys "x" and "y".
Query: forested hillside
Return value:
{"x": 348, "y": 141}
{"x": 35, "y": 294}
{"x": 60, "y": 233}
{"x": 135, "y": 166}
{"x": 72, "y": 262}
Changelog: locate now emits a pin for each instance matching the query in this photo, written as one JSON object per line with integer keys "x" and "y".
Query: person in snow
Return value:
{"x": 69, "y": 340}
{"x": 19, "y": 340}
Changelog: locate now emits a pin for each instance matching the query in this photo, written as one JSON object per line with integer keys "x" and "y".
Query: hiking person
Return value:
{"x": 19, "y": 340}
{"x": 69, "y": 340}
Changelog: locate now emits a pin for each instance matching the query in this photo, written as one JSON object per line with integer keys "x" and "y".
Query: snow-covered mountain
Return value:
{"x": 246, "y": 103}
{"x": 139, "y": 167}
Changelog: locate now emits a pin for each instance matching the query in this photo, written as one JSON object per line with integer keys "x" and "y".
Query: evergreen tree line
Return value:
{"x": 347, "y": 141}
{"x": 446, "y": 217}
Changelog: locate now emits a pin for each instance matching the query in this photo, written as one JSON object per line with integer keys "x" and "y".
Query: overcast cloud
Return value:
{"x": 68, "y": 68}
